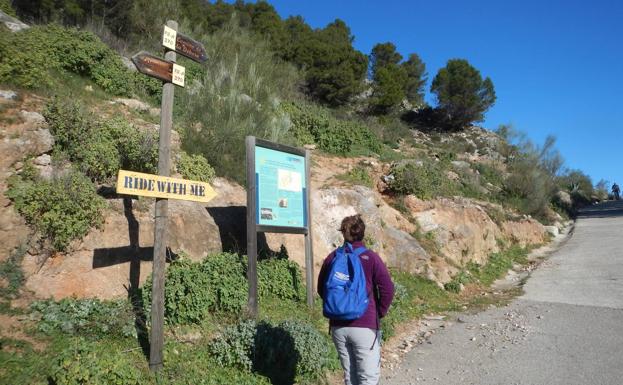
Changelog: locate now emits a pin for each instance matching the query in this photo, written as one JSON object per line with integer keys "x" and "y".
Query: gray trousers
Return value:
{"x": 360, "y": 354}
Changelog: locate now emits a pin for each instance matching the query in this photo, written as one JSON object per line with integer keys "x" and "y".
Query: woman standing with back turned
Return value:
{"x": 358, "y": 340}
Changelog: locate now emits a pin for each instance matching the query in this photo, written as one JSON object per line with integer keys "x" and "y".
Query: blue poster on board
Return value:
{"x": 281, "y": 188}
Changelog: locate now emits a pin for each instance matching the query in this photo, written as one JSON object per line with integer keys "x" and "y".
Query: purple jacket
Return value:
{"x": 377, "y": 277}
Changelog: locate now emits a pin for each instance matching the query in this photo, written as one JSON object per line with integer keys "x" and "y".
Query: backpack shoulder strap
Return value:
{"x": 360, "y": 250}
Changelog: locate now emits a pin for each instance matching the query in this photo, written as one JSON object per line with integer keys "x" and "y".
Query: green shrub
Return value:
{"x": 498, "y": 264}
{"x": 95, "y": 364}
{"x": 62, "y": 209}
{"x": 31, "y": 58}
{"x": 5, "y": 6}
{"x": 100, "y": 148}
{"x": 280, "y": 278}
{"x": 332, "y": 135}
{"x": 290, "y": 352}
{"x": 89, "y": 317}
{"x": 425, "y": 179}
{"x": 359, "y": 175}
{"x": 77, "y": 134}
{"x": 219, "y": 284}
{"x": 462, "y": 278}
{"x": 235, "y": 347}
{"x": 195, "y": 167}
{"x": 490, "y": 174}
{"x": 287, "y": 353}
{"x": 138, "y": 149}
{"x": 11, "y": 272}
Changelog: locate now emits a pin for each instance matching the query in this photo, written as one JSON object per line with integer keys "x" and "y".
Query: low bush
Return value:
{"x": 87, "y": 317}
{"x": 5, "y": 6}
{"x": 424, "y": 179}
{"x": 138, "y": 149}
{"x": 462, "y": 278}
{"x": 289, "y": 352}
{"x": 342, "y": 137}
{"x": 219, "y": 284}
{"x": 194, "y": 167}
{"x": 62, "y": 209}
{"x": 280, "y": 278}
{"x": 31, "y": 58}
{"x": 358, "y": 175}
{"x": 100, "y": 148}
{"x": 235, "y": 347}
{"x": 11, "y": 272}
{"x": 498, "y": 264}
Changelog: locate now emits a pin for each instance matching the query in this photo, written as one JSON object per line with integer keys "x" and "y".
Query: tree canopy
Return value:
{"x": 462, "y": 94}
{"x": 395, "y": 80}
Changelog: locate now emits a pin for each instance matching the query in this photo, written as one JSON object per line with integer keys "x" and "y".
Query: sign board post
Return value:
{"x": 277, "y": 202}
{"x": 171, "y": 74}
{"x": 160, "y": 228}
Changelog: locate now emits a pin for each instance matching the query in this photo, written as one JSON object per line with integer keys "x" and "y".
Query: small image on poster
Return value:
{"x": 281, "y": 188}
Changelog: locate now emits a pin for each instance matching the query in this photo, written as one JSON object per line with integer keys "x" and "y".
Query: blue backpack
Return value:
{"x": 345, "y": 294}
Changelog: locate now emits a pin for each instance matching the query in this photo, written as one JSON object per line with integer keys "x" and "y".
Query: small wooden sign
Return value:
{"x": 156, "y": 186}
{"x": 184, "y": 45}
{"x": 159, "y": 68}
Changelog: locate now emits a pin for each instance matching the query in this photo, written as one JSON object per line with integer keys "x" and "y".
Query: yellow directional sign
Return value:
{"x": 156, "y": 186}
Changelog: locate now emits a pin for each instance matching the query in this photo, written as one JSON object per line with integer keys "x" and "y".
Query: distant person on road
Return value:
{"x": 616, "y": 191}
{"x": 356, "y": 333}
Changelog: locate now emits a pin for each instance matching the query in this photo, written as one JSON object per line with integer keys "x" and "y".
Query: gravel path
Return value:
{"x": 566, "y": 329}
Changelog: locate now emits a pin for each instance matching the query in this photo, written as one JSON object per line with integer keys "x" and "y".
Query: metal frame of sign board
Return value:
{"x": 253, "y": 227}
{"x": 293, "y": 151}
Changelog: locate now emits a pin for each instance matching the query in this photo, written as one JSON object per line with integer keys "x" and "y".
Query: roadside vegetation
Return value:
{"x": 276, "y": 79}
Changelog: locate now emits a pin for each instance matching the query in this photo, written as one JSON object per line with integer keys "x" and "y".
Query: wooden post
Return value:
{"x": 309, "y": 256}
{"x": 160, "y": 230}
{"x": 252, "y": 307}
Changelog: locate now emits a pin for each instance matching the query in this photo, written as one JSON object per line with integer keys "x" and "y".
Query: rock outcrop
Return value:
{"x": 110, "y": 260}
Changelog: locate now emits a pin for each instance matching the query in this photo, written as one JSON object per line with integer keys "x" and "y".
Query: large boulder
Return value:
{"x": 12, "y": 23}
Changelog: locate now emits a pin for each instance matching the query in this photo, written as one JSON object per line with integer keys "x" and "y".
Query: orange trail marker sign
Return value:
{"x": 159, "y": 68}
{"x": 184, "y": 45}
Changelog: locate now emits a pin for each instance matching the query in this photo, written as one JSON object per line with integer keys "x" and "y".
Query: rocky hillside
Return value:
{"x": 433, "y": 237}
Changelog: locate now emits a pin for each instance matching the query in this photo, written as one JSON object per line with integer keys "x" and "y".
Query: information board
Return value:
{"x": 281, "y": 188}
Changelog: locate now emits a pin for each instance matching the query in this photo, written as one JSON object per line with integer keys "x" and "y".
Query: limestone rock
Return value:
{"x": 552, "y": 230}
{"x": 8, "y": 95}
{"x": 133, "y": 104}
{"x": 32, "y": 118}
{"x": 525, "y": 232}
{"x": 128, "y": 64}
{"x": 12, "y": 23}
{"x": 43, "y": 160}
{"x": 462, "y": 230}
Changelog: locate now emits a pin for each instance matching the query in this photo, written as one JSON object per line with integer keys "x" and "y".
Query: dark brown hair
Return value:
{"x": 353, "y": 229}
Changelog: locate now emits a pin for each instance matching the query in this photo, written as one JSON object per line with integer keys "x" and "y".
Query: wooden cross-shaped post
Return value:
{"x": 160, "y": 228}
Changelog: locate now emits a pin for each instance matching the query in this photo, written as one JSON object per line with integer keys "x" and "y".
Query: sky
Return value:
{"x": 557, "y": 66}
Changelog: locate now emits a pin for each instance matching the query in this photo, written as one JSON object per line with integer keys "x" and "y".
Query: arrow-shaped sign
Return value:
{"x": 183, "y": 45}
{"x": 159, "y": 68}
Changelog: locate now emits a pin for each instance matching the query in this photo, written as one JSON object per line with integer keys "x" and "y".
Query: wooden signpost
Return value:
{"x": 170, "y": 73}
{"x": 184, "y": 45}
{"x": 158, "y": 68}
